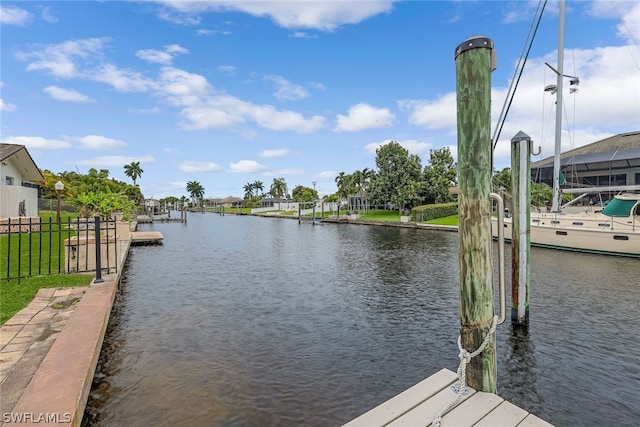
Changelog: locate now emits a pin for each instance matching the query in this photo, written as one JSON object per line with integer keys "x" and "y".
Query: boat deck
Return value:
{"x": 420, "y": 404}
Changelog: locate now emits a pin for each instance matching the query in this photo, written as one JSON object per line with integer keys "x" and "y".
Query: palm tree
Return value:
{"x": 278, "y": 188}
{"x": 258, "y": 186}
{"x": 365, "y": 177}
{"x": 196, "y": 190}
{"x": 133, "y": 171}
{"x": 248, "y": 190}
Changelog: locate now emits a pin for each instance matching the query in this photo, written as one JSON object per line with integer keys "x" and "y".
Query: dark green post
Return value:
{"x": 521, "y": 228}
{"x": 474, "y": 64}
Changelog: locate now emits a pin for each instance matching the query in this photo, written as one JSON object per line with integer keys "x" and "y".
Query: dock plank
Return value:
{"x": 405, "y": 401}
{"x": 420, "y": 404}
{"x": 426, "y": 412}
{"x": 505, "y": 415}
{"x": 533, "y": 421}
{"x": 474, "y": 409}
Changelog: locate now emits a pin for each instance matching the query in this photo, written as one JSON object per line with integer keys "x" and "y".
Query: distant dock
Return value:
{"x": 420, "y": 404}
{"x": 146, "y": 238}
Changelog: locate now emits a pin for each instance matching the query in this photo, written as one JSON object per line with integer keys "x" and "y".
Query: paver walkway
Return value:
{"x": 26, "y": 338}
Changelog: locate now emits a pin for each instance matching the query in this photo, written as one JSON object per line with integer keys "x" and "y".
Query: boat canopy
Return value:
{"x": 620, "y": 207}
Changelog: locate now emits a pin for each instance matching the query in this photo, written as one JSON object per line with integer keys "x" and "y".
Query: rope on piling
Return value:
{"x": 461, "y": 385}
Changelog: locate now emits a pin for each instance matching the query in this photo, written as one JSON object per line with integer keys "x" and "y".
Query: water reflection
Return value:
{"x": 252, "y": 321}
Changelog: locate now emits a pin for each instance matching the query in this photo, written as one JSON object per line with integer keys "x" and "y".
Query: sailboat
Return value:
{"x": 613, "y": 230}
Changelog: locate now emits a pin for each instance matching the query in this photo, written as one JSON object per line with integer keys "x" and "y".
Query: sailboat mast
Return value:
{"x": 558, "y": 136}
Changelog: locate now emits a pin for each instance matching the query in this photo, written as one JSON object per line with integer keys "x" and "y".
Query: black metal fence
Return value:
{"x": 30, "y": 247}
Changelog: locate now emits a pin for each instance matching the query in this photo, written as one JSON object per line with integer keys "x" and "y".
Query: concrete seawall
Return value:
{"x": 58, "y": 390}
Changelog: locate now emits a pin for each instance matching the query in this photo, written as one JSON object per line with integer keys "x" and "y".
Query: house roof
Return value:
{"x": 618, "y": 151}
{"x": 22, "y": 160}
{"x": 231, "y": 199}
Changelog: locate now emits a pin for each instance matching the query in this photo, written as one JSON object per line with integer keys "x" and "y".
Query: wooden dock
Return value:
{"x": 420, "y": 404}
{"x": 146, "y": 237}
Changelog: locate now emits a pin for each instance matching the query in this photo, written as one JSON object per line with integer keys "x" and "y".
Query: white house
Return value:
{"x": 18, "y": 177}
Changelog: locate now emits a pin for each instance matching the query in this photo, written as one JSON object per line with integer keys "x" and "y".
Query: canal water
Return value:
{"x": 248, "y": 321}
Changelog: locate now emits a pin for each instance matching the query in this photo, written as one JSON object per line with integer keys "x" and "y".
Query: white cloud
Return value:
{"x": 155, "y": 56}
{"x": 326, "y": 174}
{"x": 7, "y": 107}
{"x": 287, "y": 91}
{"x": 246, "y": 166}
{"x": 113, "y": 161}
{"x": 84, "y": 59}
{"x": 164, "y": 57}
{"x": 364, "y": 116}
{"x": 277, "y": 152}
{"x": 98, "y": 142}
{"x": 325, "y": 16}
{"x": 66, "y": 94}
{"x": 59, "y": 59}
{"x": 303, "y": 35}
{"x": 121, "y": 80}
{"x": 199, "y": 105}
{"x": 226, "y": 69}
{"x": 436, "y": 114}
{"x": 194, "y": 166}
{"x": 13, "y": 15}
{"x": 283, "y": 172}
{"x": 46, "y": 14}
{"x": 411, "y": 145}
{"x": 206, "y": 32}
{"x": 175, "y": 49}
{"x": 36, "y": 142}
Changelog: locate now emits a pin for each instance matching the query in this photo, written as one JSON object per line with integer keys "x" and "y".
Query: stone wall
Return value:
{"x": 22, "y": 224}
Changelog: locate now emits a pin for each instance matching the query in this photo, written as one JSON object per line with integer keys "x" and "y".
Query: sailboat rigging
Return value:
{"x": 615, "y": 230}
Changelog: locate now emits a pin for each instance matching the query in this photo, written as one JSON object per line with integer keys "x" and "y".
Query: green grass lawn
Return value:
{"x": 40, "y": 254}
{"x": 447, "y": 220}
{"x": 381, "y": 215}
{"x": 37, "y": 253}
{"x": 17, "y": 295}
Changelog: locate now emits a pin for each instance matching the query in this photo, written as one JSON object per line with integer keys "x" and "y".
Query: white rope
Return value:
{"x": 465, "y": 358}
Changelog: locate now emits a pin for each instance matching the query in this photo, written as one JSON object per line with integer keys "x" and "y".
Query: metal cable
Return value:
{"x": 514, "y": 83}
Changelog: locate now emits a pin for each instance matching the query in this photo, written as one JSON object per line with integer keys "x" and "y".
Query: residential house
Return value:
{"x": 18, "y": 177}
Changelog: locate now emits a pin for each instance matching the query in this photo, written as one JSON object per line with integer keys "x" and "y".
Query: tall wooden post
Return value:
{"x": 521, "y": 227}
{"x": 474, "y": 64}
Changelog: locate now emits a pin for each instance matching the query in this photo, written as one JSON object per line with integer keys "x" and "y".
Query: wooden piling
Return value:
{"x": 521, "y": 227}
{"x": 474, "y": 64}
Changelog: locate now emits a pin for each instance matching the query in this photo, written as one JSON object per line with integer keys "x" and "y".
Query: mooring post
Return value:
{"x": 521, "y": 227}
{"x": 475, "y": 60}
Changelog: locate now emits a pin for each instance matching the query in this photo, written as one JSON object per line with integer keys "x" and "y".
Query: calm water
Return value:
{"x": 245, "y": 321}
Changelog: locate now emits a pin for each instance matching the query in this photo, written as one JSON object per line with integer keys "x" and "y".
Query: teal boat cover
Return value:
{"x": 619, "y": 207}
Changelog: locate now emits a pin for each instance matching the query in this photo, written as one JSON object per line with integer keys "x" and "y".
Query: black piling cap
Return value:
{"x": 473, "y": 43}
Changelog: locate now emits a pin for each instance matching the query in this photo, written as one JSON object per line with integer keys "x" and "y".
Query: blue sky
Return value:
{"x": 231, "y": 92}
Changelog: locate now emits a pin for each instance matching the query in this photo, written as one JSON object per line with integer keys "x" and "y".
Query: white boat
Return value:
{"x": 614, "y": 230}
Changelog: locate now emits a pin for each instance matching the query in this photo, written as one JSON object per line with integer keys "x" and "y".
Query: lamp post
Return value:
{"x": 59, "y": 186}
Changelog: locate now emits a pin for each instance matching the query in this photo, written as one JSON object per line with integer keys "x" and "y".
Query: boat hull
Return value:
{"x": 603, "y": 240}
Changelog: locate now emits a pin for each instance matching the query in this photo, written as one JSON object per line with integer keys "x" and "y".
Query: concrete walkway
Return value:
{"x": 26, "y": 338}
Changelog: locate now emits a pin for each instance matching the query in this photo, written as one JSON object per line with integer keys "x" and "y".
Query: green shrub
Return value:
{"x": 429, "y": 212}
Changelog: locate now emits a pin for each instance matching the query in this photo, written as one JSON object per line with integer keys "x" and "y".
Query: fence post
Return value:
{"x": 98, "y": 252}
